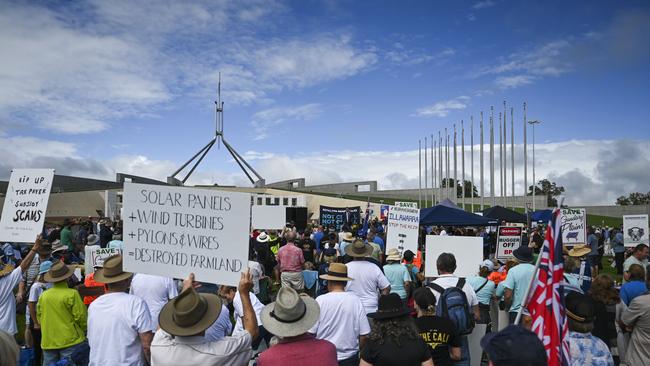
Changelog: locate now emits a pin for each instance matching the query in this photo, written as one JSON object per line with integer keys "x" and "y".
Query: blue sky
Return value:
{"x": 328, "y": 90}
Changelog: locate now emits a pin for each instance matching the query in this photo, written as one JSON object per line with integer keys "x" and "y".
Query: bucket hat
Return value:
{"x": 58, "y": 272}
{"x": 336, "y": 272}
{"x": 358, "y": 249}
{"x": 291, "y": 314}
{"x": 523, "y": 254}
{"x": 112, "y": 270}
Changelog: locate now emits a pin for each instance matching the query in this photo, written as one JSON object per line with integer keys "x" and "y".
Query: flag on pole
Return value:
{"x": 546, "y": 304}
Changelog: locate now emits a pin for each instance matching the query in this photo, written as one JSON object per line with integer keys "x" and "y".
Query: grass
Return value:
{"x": 609, "y": 270}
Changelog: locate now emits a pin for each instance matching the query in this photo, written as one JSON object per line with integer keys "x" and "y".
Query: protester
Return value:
{"x": 184, "y": 320}
{"x": 232, "y": 296}
{"x": 639, "y": 256}
{"x": 221, "y": 328}
{"x": 120, "y": 328}
{"x": 92, "y": 289}
{"x": 368, "y": 278}
{"x": 582, "y": 273}
{"x": 397, "y": 274}
{"x": 517, "y": 281}
{"x": 637, "y": 319}
{"x": 10, "y": 277}
{"x": 635, "y": 286}
{"x": 342, "y": 319}
{"x": 592, "y": 244}
{"x": 66, "y": 235}
{"x": 514, "y": 346}
{"x": 318, "y": 236}
{"x": 289, "y": 318}
{"x": 35, "y": 293}
{"x": 619, "y": 249}
{"x": 62, "y": 316}
{"x": 105, "y": 233}
{"x": 9, "y": 350}
{"x": 438, "y": 333}
{"x": 156, "y": 291}
{"x": 308, "y": 248}
{"x": 485, "y": 290}
{"x": 584, "y": 348}
{"x": 347, "y": 240}
{"x": 290, "y": 260}
{"x": 394, "y": 339}
{"x": 377, "y": 250}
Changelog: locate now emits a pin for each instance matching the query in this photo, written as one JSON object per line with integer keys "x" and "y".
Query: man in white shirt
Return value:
{"x": 231, "y": 295}
{"x": 156, "y": 291}
{"x": 342, "y": 319}
{"x": 639, "y": 256}
{"x": 120, "y": 328}
{"x": 368, "y": 278}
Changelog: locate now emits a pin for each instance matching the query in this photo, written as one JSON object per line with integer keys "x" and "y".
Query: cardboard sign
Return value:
{"x": 269, "y": 217}
{"x": 337, "y": 216}
{"x": 406, "y": 204}
{"x": 403, "y": 229}
{"x": 508, "y": 239}
{"x": 468, "y": 251}
{"x": 635, "y": 230}
{"x": 23, "y": 213}
{"x": 574, "y": 226}
{"x": 172, "y": 231}
{"x": 96, "y": 256}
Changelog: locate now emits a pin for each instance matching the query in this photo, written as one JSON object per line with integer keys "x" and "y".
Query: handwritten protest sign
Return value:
{"x": 635, "y": 230}
{"x": 337, "y": 216}
{"x": 172, "y": 231}
{"x": 269, "y": 217}
{"x": 508, "y": 239}
{"x": 574, "y": 226}
{"x": 25, "y": 204}
{"x": 468, "y": 251}
{"x": 95, "y": 257}
{"x": 403, "y": 227}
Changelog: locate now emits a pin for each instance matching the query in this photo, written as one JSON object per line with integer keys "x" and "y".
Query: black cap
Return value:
{"x": 514, "y": 346}
{"x": 580, "y": 307}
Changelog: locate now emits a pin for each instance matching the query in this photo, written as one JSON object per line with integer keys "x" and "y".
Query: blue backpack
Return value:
{"x": 452, "y": 304}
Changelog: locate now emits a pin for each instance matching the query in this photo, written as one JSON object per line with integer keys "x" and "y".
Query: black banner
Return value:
{"x": 337, "y": 216}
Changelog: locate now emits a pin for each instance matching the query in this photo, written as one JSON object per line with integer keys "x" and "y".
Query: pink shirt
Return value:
{"x": 290, "y": 258}
{"x": 302, "y": 350}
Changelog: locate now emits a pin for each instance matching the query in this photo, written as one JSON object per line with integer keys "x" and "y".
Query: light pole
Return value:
{"x": 533, "y": 123}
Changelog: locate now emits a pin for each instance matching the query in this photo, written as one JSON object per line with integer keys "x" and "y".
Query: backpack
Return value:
{"x": 414, "y": 278}
{"x": 452, "y": 304}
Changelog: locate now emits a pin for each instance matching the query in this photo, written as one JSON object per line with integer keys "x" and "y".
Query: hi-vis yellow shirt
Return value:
{"x": 62, "y": 315}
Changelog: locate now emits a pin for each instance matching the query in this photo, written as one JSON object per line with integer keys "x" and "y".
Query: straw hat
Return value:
{"x": 390, "y": 306}
{"x": 347, "y": 237}
{"x": 58, "y": 272}
{"x": 336, "y": 272}
{"x": 190, "y": 313}
{"x": 291, "y": 314}
{"x": 358, "y": 249}
{"x": 393, "y": 255}
{"x": 579, "y": 250}
{"x": 112, "y": 271}
{"x": 6, "y": 268}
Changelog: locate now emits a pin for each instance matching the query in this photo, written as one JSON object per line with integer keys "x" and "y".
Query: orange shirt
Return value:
{"x": 90, "y": 282}
{"x": 497, "y": 277}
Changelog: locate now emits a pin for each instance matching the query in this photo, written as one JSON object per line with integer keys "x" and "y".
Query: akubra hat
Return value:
{"x": 348, "y": 237}
{"x": 523, "y": 254}
{"x": 189, "y": 313}
{"x": 336, "y": 272}
{"x": 93, "y": 239}
{"x": 579, "y": 250}
{"x": 112, "y": 271}
{"x": 390, "y": 306}
{"x": 291, "y": 314}
{"x": 58, "y": 272}
{"x": 358, "y": 249}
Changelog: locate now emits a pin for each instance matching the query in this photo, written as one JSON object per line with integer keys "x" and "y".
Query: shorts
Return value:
{"x": 293, "y": 280}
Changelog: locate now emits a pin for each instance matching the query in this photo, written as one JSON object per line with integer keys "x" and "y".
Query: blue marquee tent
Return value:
{"x": 446, "y": 216}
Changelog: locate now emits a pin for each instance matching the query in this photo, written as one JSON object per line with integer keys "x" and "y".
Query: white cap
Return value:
{"x": 488, "y": 264}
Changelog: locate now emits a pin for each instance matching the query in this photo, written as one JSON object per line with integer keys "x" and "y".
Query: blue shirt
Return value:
{"x": 379, "y": 241}
{"x": 318, "y": 236}
{"x": 518, "y": 280}
{"x": 586, "y": 349}
{"x": 592, "y": 240}
{"x": 630, "y": 290}
{"x": 397, "y": 274}
{"x": 618, "y": 243}
{"x": 486, "y": 293}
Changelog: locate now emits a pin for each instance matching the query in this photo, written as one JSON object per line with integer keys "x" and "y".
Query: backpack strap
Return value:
{"x": 483, "y": 285}
{"x": 461, "y": 283}
{"x": 436, "y": 287}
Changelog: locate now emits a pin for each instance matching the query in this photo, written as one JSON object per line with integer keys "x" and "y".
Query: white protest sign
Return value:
{"x": 468, "y": 251}
{"x": 269, "y": 217}
{"x": 403, "y": 229}
{"x": 95, "y": 256}
{"x": 635, "y": 230}
{"x": 508, "y": 239}
{"x": 25, "y": 205}
{"x": 172, "y": 231}
{"x": 406, "y": 204}
{"x": 574, "y": 226}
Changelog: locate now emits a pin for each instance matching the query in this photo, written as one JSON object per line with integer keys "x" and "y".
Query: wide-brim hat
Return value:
{"x": 291, "y": 314}
{"x": 580, "y": 307}
{"x": 262, "y": 238}
{"x": 579, "y": 250}
{"x": 112, "y": 271}
{"x": 58, "y": 272}
{"x": 347, "y": 237}
{"x": 393, "y": 255}
{"x": 57, "y": 246}
{"x": 93, "y": 239}
{"x": 6, "y": 268}
{"x": 189, "y": 313}
{"x": 390, "y": 306}
{"x": 523, "y": 254}
{"x": 336, "y": 272}
{"x": 358, "y": 249}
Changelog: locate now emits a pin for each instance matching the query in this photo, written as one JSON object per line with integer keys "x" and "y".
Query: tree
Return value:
{"x": 635, "y": 198}
{"x": 469, "y": 186}
{"x": 549, "y": 189}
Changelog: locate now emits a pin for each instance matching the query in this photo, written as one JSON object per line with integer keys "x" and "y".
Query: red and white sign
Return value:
{"x": 508, "y": 240}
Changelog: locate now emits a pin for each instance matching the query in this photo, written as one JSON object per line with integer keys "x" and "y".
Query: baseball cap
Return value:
{"x": 488, "y": 264}
{"x": 44, "y": 267}
{"x": 504, "y": 348}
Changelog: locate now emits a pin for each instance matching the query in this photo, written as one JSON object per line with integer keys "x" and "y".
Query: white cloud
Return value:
{"x": 443, "y": 108}
{"x": 511, "y": 82}
{"x": 402, "y": 56}
{"x": 483, "y": 4}
{"x": 270, "y": 118}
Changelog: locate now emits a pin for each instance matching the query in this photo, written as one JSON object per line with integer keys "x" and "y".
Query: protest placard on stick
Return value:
{"x": 269, "y": 217}
{"x": 468, "y": 251}
{"x": 508, "y": 239}
{"x": 403, "y": 227}
{"x": 574, "y": 226}
{"x": 172, "y": 231}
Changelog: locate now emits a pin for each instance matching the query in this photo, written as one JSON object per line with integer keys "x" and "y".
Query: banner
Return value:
{"x": 336, "y": 216}
{"x": 403, "y": 229}
{"x": 23, "y": 212}
{"x": 96, "y": 256}
{"x": 574, "y": 226}
{"x": 635, "y": 230}
{"x": 508, "y": 239}
{"x": 406, "y": 204}
{"x": 468, "y": 251}
{"x": 172, "y": 231}
{"x": 269, "y": 217}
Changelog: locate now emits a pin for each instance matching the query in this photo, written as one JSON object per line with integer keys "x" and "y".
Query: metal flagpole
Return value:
{"x": 448, "y": 161}
{"x": 440, "y": 193}
{"x": 505, "y": 157}
{"x": 525, "y": 160}
{"x": 462, "y": 159}
{"x": 482, "y": 174}
{"x": 512, "y": 154}
{"x": 426, "y": 172}
{"x": 420, "y": 173}
{"x": 500, "y": 159}
{"x": 433, "y": 171}
{"x": 471, "y": 159}
{"x": 455, "y": 190}
{"x": 492, "y": 156}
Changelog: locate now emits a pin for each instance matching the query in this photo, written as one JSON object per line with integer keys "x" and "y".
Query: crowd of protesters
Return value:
{"x": 316, "y": 296}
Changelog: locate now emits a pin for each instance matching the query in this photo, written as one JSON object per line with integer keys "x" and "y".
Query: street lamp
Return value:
{"x": 533, "y": 123}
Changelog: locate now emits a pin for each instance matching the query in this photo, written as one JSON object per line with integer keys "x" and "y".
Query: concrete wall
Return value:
{"x": 617, "y": 211}
{"x": 73, "y": 204}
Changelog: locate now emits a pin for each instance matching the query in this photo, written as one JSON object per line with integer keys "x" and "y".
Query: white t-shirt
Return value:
{"x": 34, "y": 293}
{"x": 221, "y": 328}
{"x": 449, "y": 280}
{"x": 256, "y": 273}
{"x": 156, "y": 291}
{"x": 115, "y": 321}
{"x": 8, "y": 300}
{"x": 239, "y": 312}
{"x": 367, "y": 281}
{"x": 342, "y": 320}
{"x": 173, "y": 351}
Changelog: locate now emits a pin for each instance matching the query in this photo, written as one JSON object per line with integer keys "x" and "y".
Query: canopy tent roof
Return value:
{"x": 449, "y": 203}
{"x": 541, "y": 215}
{"x": 446, "y": 216}
{"x": 503, "y": 214}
